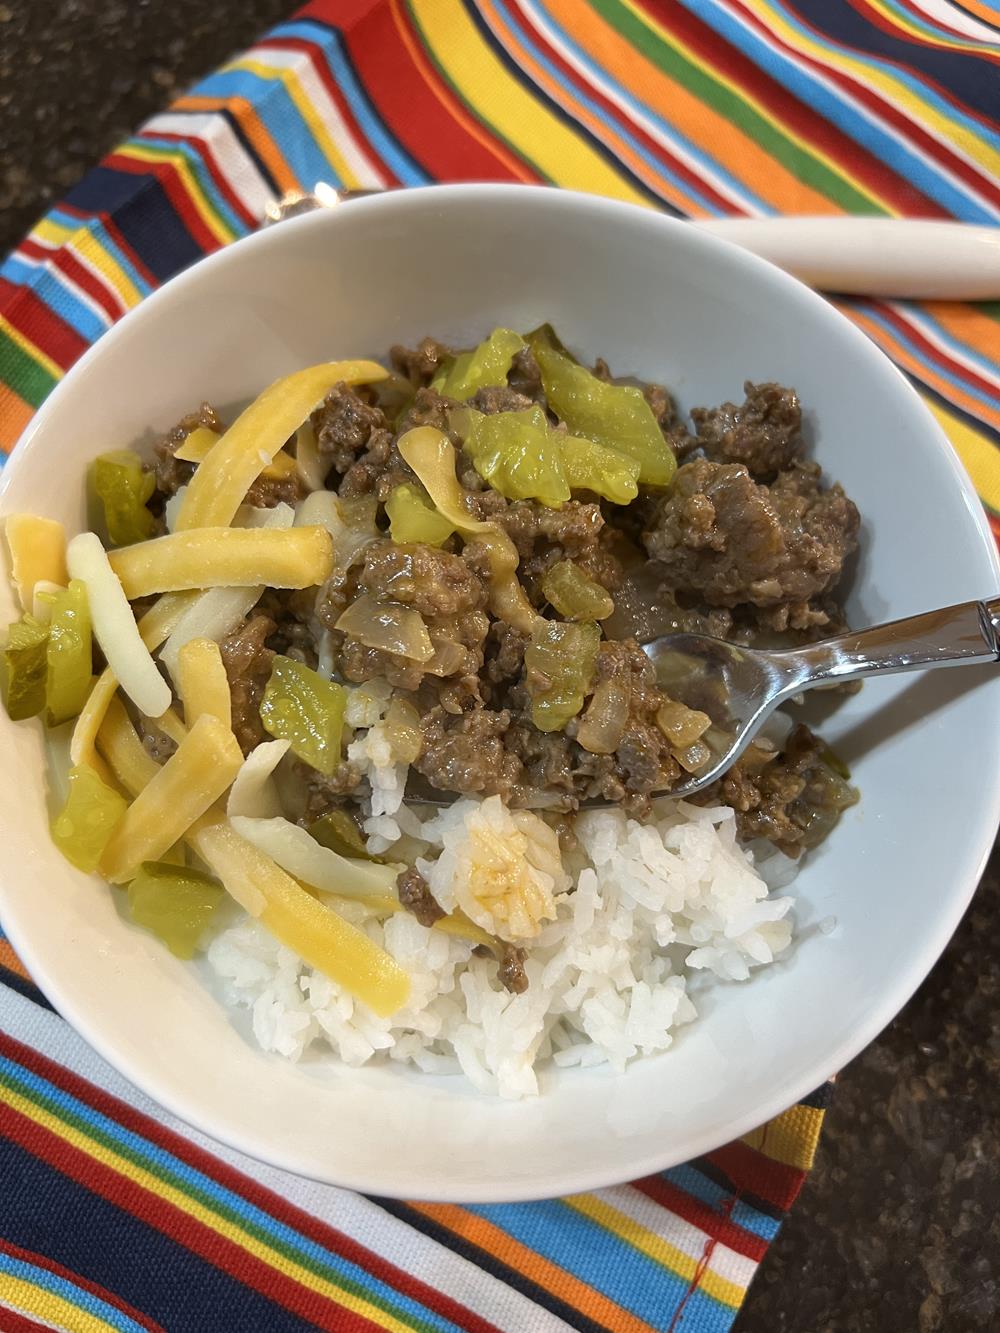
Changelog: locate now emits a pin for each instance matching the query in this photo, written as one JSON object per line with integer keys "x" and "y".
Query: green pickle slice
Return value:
{"x": 25, "y": 668}
{"x": 84, "y": 825}
{"x": 69, "y": 655}
{"x": 560, "y": 661}
{"x": 175, "y": 904}
{"x": 413, "y": 519}
{"x": 481, "y": 368}
{"x": 574, "y": 595}
{"x": 300, "y": 707}
{"x": 338, "y": 831}
{"x": 123, "y": 488}
{"x": 516, "y": 453}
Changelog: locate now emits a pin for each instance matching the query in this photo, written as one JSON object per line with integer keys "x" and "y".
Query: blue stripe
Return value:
{"x": 143, "y": 213}
{"x": 331, "y": 46}
{"x": 69, "y": 1292}
{"x": 689, "y": 1180}
{"x": 49, "y": 288}
{"x": 670, "y": 132}
{"x": 189, "y": 1179}
{"x": 887, "y": 147}
{"x": 201, "y": 173}
{"x": 920, "y": 316}
{"x": 280, "y": 116}
{"x": 602, "y": 1260}
{"x": 97, "y": 229}
{"x": 981, "y": 395}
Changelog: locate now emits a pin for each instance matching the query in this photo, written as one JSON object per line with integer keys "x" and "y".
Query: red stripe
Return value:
{"x": 533, "y": 36}
{"x": 83, "y": 1283}
{"x": 416, "y": 105}
{"x": 111, "y": 227}
{"x": 808, "y": 124}
{"x": 336, "y": 95}
{"x": 994, "y": 521}
{"x": 179, "y": 1226}
{"x": 81, "y": 276}
{"x": 934, "y": 353}
{"x": 283, "y": 1211}
{"x": 206, "y": 153}
{"x": 942, "y": 27}
{"x": 700, "y": 1215}
{"x": 175, "y": 190}
{"x": 878, "y": 20}
{"x": 753, "y": 1173}
{"x": 19, "y": 1323}
{"x": 41, "y": 326}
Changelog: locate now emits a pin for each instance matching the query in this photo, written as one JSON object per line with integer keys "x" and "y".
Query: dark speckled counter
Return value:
{"x": 898, "y": 1228}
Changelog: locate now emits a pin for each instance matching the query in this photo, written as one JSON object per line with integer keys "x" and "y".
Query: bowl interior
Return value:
{"x": 659, "y": 300}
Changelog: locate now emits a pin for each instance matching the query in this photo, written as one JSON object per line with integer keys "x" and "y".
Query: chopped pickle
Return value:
{"x": 573, "y": 595}
{"x": 337, "y": 831}
{"x": 175, "y": 904}
{"x": 481, "y": 368}
{"x": 123, "y": 488}
{"x": 516, "y": 453}
{"x": 83, "y": 827}
{"x": 616, "y": 415}
{"x": 300, "y": 707}
{"x": 25, "y": 668}
{"x": 69, "y": 655}
{"x": 413, "y": 519}
{"x": 594, "y": 467}
{"x": 560, "y": 661}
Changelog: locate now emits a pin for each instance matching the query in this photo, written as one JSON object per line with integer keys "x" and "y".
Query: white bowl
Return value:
{"x": 661, "y": 300}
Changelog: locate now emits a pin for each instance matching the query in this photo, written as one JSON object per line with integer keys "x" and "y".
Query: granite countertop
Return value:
{"x": 898, "y": 1225}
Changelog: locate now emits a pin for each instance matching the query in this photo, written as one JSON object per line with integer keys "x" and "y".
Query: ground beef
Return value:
{"x": 764, "y": 433}
{"x": 574, "y": 528}
{"x": 344, "y": 425}
{"x": 267, "y": 492}
{"x": 499, "y": 398}
{"x": 248, "y": 665}
{"x": 328, "y": 791}
{"x": 661, "y": 403}
{"x": 511, "y": 971}
{"x": 358, "y": 663}
{"x": 466, "y": 753}
{"x": 415, "y": 895}
{"x": 793, "y": 799}
{"x": 171, "y": 475}
{"x": 727, "y": 539}
{"x": 292, "y": 611}
{"x": 643, "y": 758}
{"x": 377, "y": 471}
{"x": 420, "y": 364}
{"x": 525, "y": 376}
{"x": 428, "y": 408}
{"x": 157, "y": 744}
{"x": 429, "y": 580}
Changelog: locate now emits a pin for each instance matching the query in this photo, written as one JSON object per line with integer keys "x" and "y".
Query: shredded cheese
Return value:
{"x": 310, "y": 929}
{"x": 225, "y": 557}
{"x": 203, "y": 683}
{"x": 128, "y": 658}
{"x": 186, "y": 787}
{"x": 310, "y": 464}
{"x": 37, "y": 549}
{"x": 255, "y": 793}
{"x": 233, "y": 464}
{"x": 210, "y": 615}
{"x": 119, "y": 743}
{"x": 306, "y": 860}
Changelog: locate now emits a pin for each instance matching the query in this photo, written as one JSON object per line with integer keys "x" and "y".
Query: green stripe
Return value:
{"x": 801, "y": 162}
{"x": 57, "y": 1107}
{"x": 23, "y": 373}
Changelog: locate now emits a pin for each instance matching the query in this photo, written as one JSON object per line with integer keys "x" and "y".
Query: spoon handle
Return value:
{"x": 953, "y": 636}
{"x": 905, "y": 257}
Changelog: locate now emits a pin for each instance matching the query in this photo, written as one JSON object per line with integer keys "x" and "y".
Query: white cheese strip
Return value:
{"x": 212, "y": 615}
{"x": 254, "y": 792}
{"x": 298, "y": 853}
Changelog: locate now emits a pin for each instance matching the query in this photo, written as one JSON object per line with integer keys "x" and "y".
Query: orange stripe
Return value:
{"x": 254, "y": 129}
{"x": 985, "y": 12}
{"x": 969, "y": 325}
{"x": 15, "y": 414}
{"x": 533, "y": 1266}
{"x": 10, "y": 960}
{"x": 600, "y": 128}
{"x": 922, "y": 370}
{"x": 696, "y": 120}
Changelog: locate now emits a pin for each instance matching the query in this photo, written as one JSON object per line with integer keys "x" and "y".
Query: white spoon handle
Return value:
{"x": 905, "y": 257}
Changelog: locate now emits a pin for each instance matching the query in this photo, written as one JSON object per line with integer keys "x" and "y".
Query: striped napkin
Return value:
{"x": 113, "y": 1215}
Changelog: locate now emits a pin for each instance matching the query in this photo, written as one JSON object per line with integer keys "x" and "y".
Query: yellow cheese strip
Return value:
{"x": 37, "y": 552}
{"x": 154, "y": 627}
{"x": 200, "y": 442}
{"x": 119, "y": 743}
{"x": 187, "y": 785}
{"x": 225, "y": 557}
{"x": 315, "y": 932}
{"x": 203, "y": 683}
{"x": 171, "y": 725}
{"x": 232, "y": 466}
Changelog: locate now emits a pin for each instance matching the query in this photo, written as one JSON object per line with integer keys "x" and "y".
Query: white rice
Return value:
{"x": 626, "y": 919}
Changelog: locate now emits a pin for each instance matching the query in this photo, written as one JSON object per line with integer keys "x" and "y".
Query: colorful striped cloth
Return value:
{"x": 112, "y": 1214}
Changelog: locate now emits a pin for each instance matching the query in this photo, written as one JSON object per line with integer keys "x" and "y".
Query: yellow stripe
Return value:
{"x": 526, "y": 124}
{"x": 29, "y": 349}
{"x": 87, "y": 246}
{"x": 308, "y": 113}
{"x": 161, "y": 1189}
{"x": 980, "y": 455}
{"x": 54, "y": 232}
{"x": 939, "y": 39}
{"x": 790, "y": 1138}
{"x": 656, "y": 1248}
{"x": 744, "y": 95}
{"x": 948, "y": 128}
{"x": 36, "y": 1303}
{"x": 192, "y": 185}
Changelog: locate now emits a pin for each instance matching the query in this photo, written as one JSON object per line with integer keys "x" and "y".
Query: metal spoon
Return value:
{"x": 754, "y": 681}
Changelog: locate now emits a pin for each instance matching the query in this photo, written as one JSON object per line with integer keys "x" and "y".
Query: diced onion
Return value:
{"x": 254, "y": 792}
{"x": 392, "y": 628}
{"x": 128, "y": 658}
{"x": 312, "y": 863}
{"x": 350, "y": 522}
